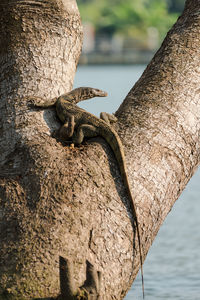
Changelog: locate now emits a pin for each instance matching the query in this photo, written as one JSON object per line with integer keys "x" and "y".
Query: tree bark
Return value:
{"x": 61, "y": 201}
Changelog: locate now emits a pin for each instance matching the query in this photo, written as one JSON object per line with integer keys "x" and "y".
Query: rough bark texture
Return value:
{"x": 59, "y": 201}
{"x": 159, "y": 122}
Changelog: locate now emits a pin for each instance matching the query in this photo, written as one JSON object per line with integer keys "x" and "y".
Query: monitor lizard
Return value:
{"x": 78, "y": 123}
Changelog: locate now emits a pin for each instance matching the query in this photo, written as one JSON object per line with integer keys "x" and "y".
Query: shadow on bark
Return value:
{"x": 90, "y": 290}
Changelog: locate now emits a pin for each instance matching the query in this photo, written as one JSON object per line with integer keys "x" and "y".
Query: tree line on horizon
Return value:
{"x": 129, "y": 18}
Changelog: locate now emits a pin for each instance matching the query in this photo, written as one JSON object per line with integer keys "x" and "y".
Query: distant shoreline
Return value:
{"x": 130, "y": 57}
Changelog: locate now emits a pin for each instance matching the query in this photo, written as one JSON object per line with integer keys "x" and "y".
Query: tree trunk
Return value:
{"x": 71, "y": 202}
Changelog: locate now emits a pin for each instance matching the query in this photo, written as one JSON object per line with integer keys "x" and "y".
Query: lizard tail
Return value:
{"x": 115, "y": 143}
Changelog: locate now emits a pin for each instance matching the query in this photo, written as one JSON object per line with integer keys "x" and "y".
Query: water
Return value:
{"x": 172, "y": 266}
{"x": 116, "y": 80}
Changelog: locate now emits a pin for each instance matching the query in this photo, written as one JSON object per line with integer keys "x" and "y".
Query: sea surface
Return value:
{"x": 172, "y": 266}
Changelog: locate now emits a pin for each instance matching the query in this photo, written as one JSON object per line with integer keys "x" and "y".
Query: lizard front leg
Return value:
{"x": 67, "y": 130}
{"x": 84, "y": 130}
{"x": 108, "y": 118}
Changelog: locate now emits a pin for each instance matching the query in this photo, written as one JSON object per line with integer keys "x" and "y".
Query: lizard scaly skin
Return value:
{"x": 79, "y": 123}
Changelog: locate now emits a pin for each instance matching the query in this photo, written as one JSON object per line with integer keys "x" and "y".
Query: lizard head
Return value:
{"x": 84, "y": 93}
{"x": 98, "y": 93}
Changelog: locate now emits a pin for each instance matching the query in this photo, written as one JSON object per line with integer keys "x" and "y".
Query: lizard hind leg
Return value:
{"x": 108, "y": 118}
{"x": 40, "y": 102}
{"x": 84, "y": 130}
